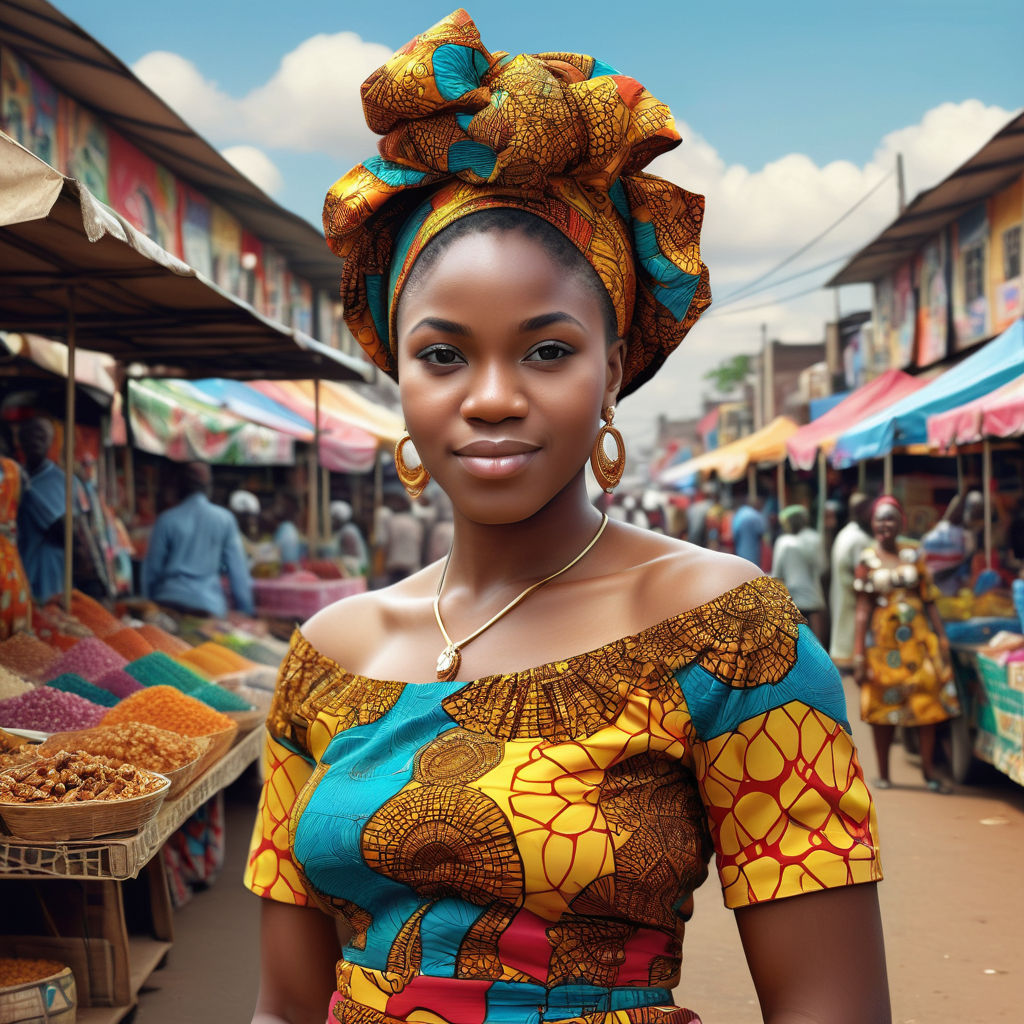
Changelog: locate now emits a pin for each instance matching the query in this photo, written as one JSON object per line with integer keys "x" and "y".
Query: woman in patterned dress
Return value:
{"x": 15, "y": 598}
{"x": 517, "y": 838}
{"x": 904, "y": 675}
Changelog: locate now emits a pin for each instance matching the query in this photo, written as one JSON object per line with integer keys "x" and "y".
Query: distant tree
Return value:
{"x": 729, "y": 374}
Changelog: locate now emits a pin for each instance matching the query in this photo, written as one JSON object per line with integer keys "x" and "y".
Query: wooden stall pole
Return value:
{"x": 129, "y": 447}
{"x": 325, "y": 505}
{"x": 862, "y": 477}
{"x": 887, "y": 473}
{"x": 781, "y": 476}
{"x": 959, "y": 472}
{"x": 822, "y": 491}
{"x": 314, "y": 471}
{"x": 751, "y": 483}
{"x": 69, "y": 456}
{"x": 986, "y": 482}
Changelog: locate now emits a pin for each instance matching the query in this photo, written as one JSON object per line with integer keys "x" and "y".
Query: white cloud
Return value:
{"x": 256, "y": 166}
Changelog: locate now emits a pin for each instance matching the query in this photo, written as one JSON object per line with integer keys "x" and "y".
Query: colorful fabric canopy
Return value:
{"x": 866, "y": 401}
{"x": 906, "y": 422}
{"x": 1000, "y": 414}
{"x": 730, "y": 462}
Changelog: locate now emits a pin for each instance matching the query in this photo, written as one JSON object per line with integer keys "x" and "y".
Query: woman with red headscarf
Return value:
{"x": 905, "y": 675}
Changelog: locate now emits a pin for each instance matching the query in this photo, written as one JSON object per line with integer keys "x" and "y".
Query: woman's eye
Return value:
{"x": 547, "y": 351}
{"x": 441, "y": 355}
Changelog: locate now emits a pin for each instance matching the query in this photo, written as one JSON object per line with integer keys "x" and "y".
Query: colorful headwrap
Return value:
{"x": 560, "y": 135}
{"x": 890, "y": 501}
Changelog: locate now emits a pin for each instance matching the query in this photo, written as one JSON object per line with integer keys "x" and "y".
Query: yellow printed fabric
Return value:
{"x": 908, "y": 681}
{"x": 560, "y": 135}
{"x": 534, "y": 839}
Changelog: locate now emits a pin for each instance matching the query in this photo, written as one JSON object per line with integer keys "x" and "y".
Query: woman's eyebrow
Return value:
{"x": 535, "y": 323}
{"x": 439, "y": 324}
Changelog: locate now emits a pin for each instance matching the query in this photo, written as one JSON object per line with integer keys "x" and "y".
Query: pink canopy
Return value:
{"x": 855, "y": 408}
{"x": 997, "y": 414}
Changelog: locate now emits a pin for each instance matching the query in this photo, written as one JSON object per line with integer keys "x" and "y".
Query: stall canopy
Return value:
{"x": 906, "y": 422}
{"x": 883, "y": 391}
{"x": 245, "y": 401}
{"x": 730, "y": 462}
{"x": 1000, "y": 414}
{"x": 70, "y": 263}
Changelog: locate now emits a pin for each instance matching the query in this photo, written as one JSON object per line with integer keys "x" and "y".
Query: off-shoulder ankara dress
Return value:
{"x": 524, "y": 847}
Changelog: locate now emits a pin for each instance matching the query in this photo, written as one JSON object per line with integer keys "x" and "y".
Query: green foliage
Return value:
{"x": 729, "y": 374}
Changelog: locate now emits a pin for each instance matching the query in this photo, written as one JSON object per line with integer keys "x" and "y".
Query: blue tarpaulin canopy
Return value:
{"x": 252, "y": 405}
{"x": 906, "y": 422}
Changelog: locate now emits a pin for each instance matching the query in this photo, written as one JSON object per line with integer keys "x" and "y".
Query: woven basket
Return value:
{"x": 86, "y": 819}
{"x": 180, "y": 777}
{"x": 51, "y": 1000}
{"x": 220, "y": 743}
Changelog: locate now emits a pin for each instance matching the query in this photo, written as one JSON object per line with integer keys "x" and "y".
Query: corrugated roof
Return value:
{"x": 994, "y": 166}
{"x": 81, "y": 67}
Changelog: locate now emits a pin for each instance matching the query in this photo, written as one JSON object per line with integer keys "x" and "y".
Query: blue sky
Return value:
{"x": 790, "y": 112}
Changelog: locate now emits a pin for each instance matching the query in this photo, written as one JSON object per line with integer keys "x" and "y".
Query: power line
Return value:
{"x": 763, "y": 305}
{"x": 814, "y": 241}
{"x": 792, "y": 277}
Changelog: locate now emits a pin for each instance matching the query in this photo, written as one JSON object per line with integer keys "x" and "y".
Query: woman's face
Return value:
{"x": 886, "y": 523}
{"x": 504, "y": 369}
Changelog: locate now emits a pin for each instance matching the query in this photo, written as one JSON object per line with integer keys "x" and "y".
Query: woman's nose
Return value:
{"x": 495, "y": 394}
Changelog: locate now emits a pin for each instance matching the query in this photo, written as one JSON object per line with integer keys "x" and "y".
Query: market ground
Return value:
{"x": 952, "y": 904}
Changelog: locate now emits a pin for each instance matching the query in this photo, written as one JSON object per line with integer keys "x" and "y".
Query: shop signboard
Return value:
{"x": 226, "y": 239}
{"x": 144, "y": 193}
{"x": 970, "y": 278}
{"x": 1005, "y": 279}
{"x": 196, "y": 228}
{"x": 83, "y": 147}
{"x": 932, "y": 274}
{"x": 29, "y": 107}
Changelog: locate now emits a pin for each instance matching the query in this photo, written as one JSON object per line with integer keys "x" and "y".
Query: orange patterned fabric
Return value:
{"x": 560, "y": 135}
{"x": 534, "y": 839}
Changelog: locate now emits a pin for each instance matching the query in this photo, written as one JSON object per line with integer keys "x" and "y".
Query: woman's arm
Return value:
{"x": 818, "y": 958}
{"x": 299, "y": 949}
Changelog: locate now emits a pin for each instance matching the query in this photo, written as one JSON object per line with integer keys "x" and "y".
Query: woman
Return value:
{"x": 15, "y": 597}
{"x": 514, "y": 832}
{"x": 905, "y": 677}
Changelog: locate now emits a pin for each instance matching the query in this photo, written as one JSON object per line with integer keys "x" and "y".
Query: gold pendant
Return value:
{"x": 448, "y": 662}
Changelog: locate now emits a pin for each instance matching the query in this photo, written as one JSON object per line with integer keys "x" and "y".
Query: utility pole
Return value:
{"x": 768, "y": 372}
{"x": 901, "y": 187}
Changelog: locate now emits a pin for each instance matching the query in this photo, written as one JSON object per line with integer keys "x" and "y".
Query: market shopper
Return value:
{"x": 514, "y": 834}
{"x": 348, "y": 543}
{"x": 15, "y": 594}
{"x": 948, "y": 548}
{"x": 748, "y": 529}
{"x": 190, "y": 546}
{"x": 847, "y": 548}
{"x": 904, "y": 672}
{"x": 798, "y": 561}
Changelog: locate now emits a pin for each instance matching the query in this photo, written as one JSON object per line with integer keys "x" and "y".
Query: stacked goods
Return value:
{"x": 157, "y": 669}
{"x": 160, "y": 640}
{"x": 26, "y": 656}
{"x": 55, "y": 627}
{"x": 129, "y": 644}
{"x": 11, "y": 685}
{"x": 136, "y": 743}
{"x": 213, "y": 660}
{"x": 91, "y": 614}
{"x": 167, "y": 708}
{"x": 49, "y": 710}
{"x": 119, "y": 683}
{"x": 72, "y": 776}
{"x": 89, "y": 658}
{"x": 70, "y": 683}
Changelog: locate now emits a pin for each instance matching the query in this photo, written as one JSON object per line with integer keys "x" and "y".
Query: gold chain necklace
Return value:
{"x": 450, "y": 659}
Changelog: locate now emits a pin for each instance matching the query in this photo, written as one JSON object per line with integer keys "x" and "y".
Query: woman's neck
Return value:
{"x": 486, "y": 558}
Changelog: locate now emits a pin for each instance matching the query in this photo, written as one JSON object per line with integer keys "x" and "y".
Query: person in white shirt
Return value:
{"x": 850, "y": 542}
{"x": 799, "y": 562}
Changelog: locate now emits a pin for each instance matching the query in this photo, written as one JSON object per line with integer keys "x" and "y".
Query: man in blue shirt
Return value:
{"x": 41, "y": 512}
{"x": 191, "y": 544}
{"x": 748, "y": 528}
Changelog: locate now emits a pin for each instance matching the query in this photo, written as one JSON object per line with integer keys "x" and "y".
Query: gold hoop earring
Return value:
{"x": 413, "y": 480}
{"x": 608, "y": 471}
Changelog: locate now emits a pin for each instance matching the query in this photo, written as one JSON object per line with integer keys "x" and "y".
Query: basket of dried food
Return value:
{"x": 15, "y": 750}
{"x": 178, "y": 758}
{"x": 75, "y": 795}
{"x": 36, "y": 992}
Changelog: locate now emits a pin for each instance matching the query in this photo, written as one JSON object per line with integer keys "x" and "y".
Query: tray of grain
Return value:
{"x": 73, "y": 795}
{"x": 36, "y": 992}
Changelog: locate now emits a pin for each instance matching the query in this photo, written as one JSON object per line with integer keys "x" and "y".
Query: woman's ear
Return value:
{"x": 613, "y": 370}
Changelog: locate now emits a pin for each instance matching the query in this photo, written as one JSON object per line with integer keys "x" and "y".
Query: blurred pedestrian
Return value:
{"x": 847, "y": 548}
{"x": 748, "y": 529}
{"x": 697, "y": 513}
{"x": 901, "y": 653}
{"x": 404, "y": 547}
{"x": 191, "y": 545}
{"x": 16, "y": 601}
{"x": 348, "y": 543}
{"x": 948, "y": 547}
{"x": 798, "y": 561}
{"x": 287, "y": 535}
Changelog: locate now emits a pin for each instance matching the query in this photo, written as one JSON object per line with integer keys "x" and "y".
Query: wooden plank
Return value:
{"x": 144, "y": 956}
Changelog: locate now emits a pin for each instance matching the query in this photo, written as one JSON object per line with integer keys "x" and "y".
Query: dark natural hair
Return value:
{"x": 555, "y": 244}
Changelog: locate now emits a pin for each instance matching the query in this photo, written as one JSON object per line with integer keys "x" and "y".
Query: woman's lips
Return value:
{"x": 495, "y": 460}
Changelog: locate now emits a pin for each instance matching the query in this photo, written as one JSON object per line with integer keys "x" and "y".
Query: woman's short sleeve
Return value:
{"x": 287, "y": 765}
{"x": 784, "y": 792}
